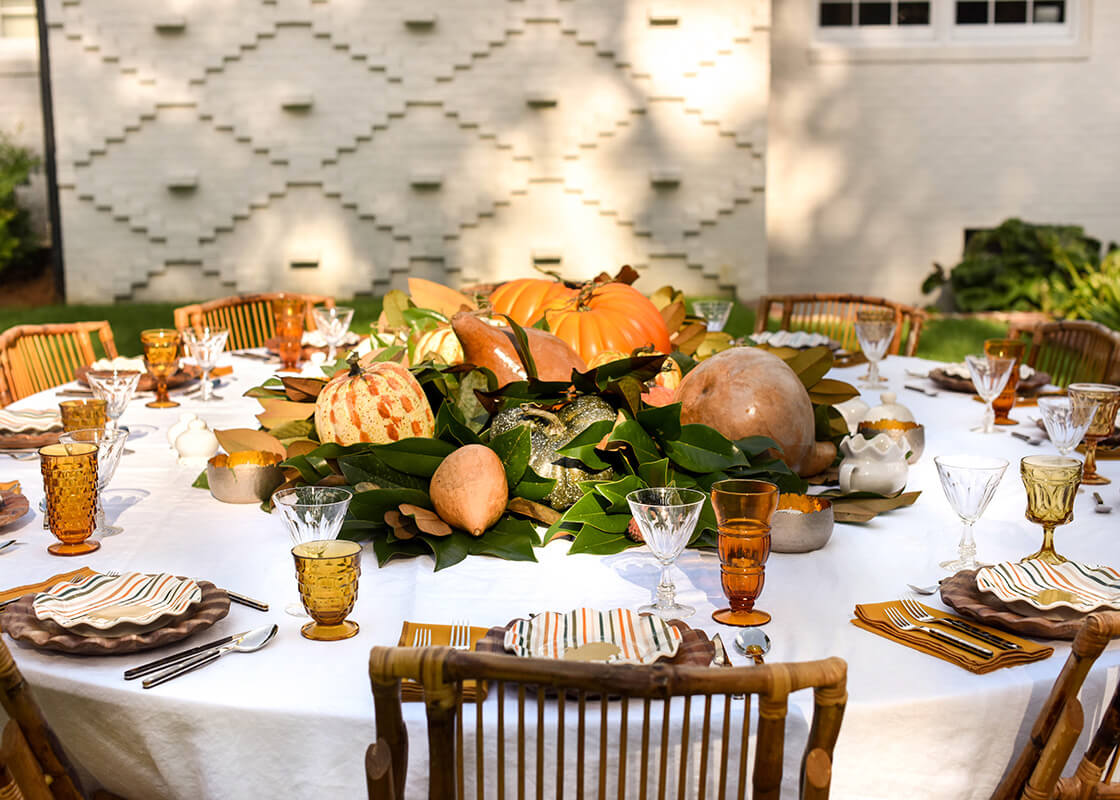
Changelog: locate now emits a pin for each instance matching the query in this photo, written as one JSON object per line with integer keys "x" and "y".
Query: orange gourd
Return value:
{"x": 525, "y": 300}
{"x": 609, "y": 316}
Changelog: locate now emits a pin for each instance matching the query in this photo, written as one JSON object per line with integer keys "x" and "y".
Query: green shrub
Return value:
{"x": 1091, "y": 295}
{"x": 17, "y": 239}
{"x": 1011, "y": 267}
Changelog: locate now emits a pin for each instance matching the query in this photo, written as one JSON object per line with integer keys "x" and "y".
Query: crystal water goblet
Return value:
{"x": 312, "y": 513}
{"x": 116, "y": 389}
{"x": 204, "y": 347}
{"x": 110, "y": 447}
{"x": 666, "y": 517}
{"x": 1051, "y": 483}
{"x": 714, "y": 312}
{"x": 1108, "y": 399}
{"x": 1066, "y": 419}
{"x": 334, "y": 324}
{"x": 989, "y": 375}
{"x": 1005, "y": 401}
{"x": 875, "y": 328}
{"x": 969, "y": 482}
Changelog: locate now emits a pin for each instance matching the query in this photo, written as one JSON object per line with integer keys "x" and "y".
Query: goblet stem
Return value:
{"x": 1089, "y": 475}
{"x": 1047, "y": 554}
{"x": 331, "y": 351}
{"x": 666, "y": 591}
{"x": 989, "y": 418}
{"x": 967, "y": 547}
{"x": 207, "y": 393}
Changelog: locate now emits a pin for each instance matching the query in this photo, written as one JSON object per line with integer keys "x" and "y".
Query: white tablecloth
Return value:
{"x": 293, "y": 720}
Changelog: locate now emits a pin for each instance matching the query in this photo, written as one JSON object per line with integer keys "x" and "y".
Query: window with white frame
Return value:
{"x": 17, "y": 19}
{"x": 948, "y": 21}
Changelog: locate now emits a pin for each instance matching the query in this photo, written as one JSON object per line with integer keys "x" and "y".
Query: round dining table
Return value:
{"x": 294, "y": 719}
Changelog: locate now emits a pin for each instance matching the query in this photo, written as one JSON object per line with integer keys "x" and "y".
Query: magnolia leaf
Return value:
{"x": 582, "y": 447}
{"x": 689, "y": 338}
{"x": 300, "y": 447}
{"x": 385, "y": 550}
{"x": 538, "y": 511}
{"x": 630, "y": 431}
{"x": 236, "y": 440}
{"x": 436, "y": 296}
{"x": 451, "y": 427}
{"x": 302, "y": 390}
{"x": 202, "y": 481}
{"x": 393, "y": 306}
{"x": 521, "y": 345}
{"x": 753, "y": 446}
{"x": 664, "y": 296}
{"x": 664, "y": 422}
{"x": 810, "y": 365}
{"x": 260, "y": 391}
{"x": 426, "y": 520}
{"x": 702, "y": 449}
{"x": 863, "y": 506}
{"x": 295, "y": 430}
{"x": 655, "y": 473}
{"x": 614, "y": 492}
{"x": 312, "y": 468}
{"x": 277, "y": 412}
{"x": 369, "y": 467}
{"x": 415, "y": 456}
{"x": 674, "y": 315}
{"x": 830, "y": 392}
{"x": 513, "y": 449}
{"x": 597, "y": 542}
{"x": 373, "y": 504}
{"x": 449, "y": 550}
{"x": 532, "y": 486}
{"x": 510, "y": 539}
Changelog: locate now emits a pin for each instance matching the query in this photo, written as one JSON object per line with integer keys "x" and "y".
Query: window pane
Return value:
{"x": 1049, "y": 11}
{"x": 913, "y": 13}
{"x": 836, "y": 14}
{"x": 972, "y": 12}
{"x": 1013, "y": 12}
{"x": 874, "y": 13}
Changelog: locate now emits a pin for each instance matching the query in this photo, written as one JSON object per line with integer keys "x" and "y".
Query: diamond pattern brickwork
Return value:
{"x": 208, "y": 147}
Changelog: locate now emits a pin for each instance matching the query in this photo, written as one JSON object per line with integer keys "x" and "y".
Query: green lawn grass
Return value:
{"x": 942, "y": 339}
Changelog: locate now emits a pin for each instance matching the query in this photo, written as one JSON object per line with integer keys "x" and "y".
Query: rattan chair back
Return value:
{"x": 834, "y": 315}
{"x": 1072, "y": 351}
{"x": 38, "y": 357}
{"x": 248, "y": 317}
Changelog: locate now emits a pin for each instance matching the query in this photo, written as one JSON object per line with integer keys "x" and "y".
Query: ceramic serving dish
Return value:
{"x": 910, "y": 435}
{"x": 799, "y": 340}
{"x": 250, "y": 476}
{"x": 34, "y": 422}
{"x": 801, "y": 523}
{"x": 1080, "y": 588}
{"x": 618, "y": 636}
{"x": 117, "y": 605}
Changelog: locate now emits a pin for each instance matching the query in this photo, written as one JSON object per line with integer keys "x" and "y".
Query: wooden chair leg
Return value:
{"x": 379, "y": 772}
{"x": 818, "y": 775}
{"x": 1053, "y": 758}
{"x": 9, "y": 789}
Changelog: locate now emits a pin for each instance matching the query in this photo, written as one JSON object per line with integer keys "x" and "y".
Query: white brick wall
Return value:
{"x": 205, "y": 145}
{"x": 877, "y": 167}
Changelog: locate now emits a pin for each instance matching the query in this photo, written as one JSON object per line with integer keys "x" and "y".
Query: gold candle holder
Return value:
{"x": 1051, "y": 483}
{"x": 161, "y": 352}
{"x": 1006, "y": 348}
{"x": 1107, "y": 398}
{"x": 327, "y": 571}
{"x": 288, "y": 312}
{"x": 81, "y": 414}
{"x": 70, "y": 483}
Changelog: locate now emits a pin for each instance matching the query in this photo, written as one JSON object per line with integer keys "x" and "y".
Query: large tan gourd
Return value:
{"x": 746, "y": 391}
{"x": 469, "y": 489}
{"x": 380, "y": 403}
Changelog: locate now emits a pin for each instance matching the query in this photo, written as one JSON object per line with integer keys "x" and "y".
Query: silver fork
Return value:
{"x": 422, "y": 637}
{"x": 900, "y": 622}
{"x": 914, "y": 609}
{"x": 461, "y": 635}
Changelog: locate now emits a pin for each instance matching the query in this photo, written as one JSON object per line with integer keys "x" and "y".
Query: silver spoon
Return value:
{"x": 253, "y": 641}
{"x": 10, "y": 542}
{"x": 753, "y": 642}
{"x": 1102, "y": 507}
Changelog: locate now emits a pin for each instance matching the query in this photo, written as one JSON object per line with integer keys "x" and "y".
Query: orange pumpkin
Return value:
{"x": 525, "y": 300}
{"x": 609, "y": 316}
{"x": 669, "y": 376}
{"x": 380, "y": 403}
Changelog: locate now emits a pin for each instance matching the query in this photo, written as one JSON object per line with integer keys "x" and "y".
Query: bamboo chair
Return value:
{"x": 1071, "y": 351}
{"x": 1036, "y": 774}
{"x": 834, "y": 315}
{"x": 248, "y": 317}
{"x": 442, "y": 671}
{"x": 38, "y": 357}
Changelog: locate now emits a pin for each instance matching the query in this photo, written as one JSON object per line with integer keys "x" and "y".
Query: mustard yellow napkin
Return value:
{"x": 42, "y": 586}
{"x": 441, "y": 637}
{"x": 872, "y": 617}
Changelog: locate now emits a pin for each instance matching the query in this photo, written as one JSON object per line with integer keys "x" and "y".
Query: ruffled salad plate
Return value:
{"x": 618, "y": 636}
{"x": 799, "y": 340}
{"x": 1070, "y": 586}
{"x": 118, "y": 605}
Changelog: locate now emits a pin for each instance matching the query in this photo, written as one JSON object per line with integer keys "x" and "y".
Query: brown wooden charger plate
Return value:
{"x": 15, "y": 505}
{"x": 147, "y": 382}
{"x": 960, "y": 593}
{"x": 21, "y": 624}
{"x": 1031, "y": 385}
{"x": 28, "y": 441}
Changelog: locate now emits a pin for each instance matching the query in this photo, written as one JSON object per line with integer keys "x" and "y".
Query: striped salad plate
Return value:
{"x": 1080, "y": 587}
{"x": 617, "y": 636}
{"x": 118, "y": 605}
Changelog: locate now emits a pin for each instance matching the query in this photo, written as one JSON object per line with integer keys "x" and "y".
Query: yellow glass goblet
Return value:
{"x": 327, "y": 571}
{"x": 82, "y": 414}
{"x": 161, "y": 351}
{"x": 70, "y": 483}
{"x": 1051, "y": 483}
{"x": 1107, "y": 398}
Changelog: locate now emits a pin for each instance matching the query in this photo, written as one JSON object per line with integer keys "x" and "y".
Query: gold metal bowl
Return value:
{"x": 250, "y": 476}
{"x": 802, "y": 523}
{"x": 910, "y": 434}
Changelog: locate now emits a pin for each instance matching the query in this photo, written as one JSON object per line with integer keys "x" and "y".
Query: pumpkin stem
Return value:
{"x": 352, "y": 360}
{"x": 555, "y": 426}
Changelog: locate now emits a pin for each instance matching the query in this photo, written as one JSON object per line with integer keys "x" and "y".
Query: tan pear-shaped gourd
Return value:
{"x": 487, "y": 346}
{"x": 469, "y": 489}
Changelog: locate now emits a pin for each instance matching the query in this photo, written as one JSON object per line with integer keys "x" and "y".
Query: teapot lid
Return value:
{"x": 890, "y": 409}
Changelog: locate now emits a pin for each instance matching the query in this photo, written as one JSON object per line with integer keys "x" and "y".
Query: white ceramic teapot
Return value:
{"x": 872, "y": 465}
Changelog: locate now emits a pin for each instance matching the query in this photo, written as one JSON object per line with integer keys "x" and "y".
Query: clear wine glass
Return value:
{"x": 333, "y": 323}
{"x": 969, "y": 482}
{"x": 116, "y": 389}
{"x": 714, "y": 312}
{"x": 204, "y": 347}
{"x": 110, "y": 446}
{"x": 989, "y": 375}
{"x": 875, "y": 329}
{"x": 666, "y": 518}
{"x": 1066, "y": 419}
{"x": 312, "y": 513}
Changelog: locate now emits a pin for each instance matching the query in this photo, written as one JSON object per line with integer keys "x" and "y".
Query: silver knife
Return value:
{"x": 253, "y": 641}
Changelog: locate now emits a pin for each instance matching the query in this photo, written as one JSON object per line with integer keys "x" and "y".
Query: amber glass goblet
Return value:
{"x": 1107, "y": 398}
{"x": 1051, "y": 483}
{"x": 743, "y": 511}
{"x": 81, "y": 414}
{"x": 327, "y": 571}
{"x": 161, "y": 352}
{"x": 1006, "y": 348}
{"x": 70, "y": 483}
{"x": 287, "y": 312}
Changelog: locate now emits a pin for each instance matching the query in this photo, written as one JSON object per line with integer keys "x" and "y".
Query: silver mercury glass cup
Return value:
{"x": 311, "y": 513}
{"x": 666, "y": 518}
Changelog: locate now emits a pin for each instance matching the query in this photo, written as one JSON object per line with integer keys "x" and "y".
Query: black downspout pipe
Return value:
{"x": 48, "y": 150}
